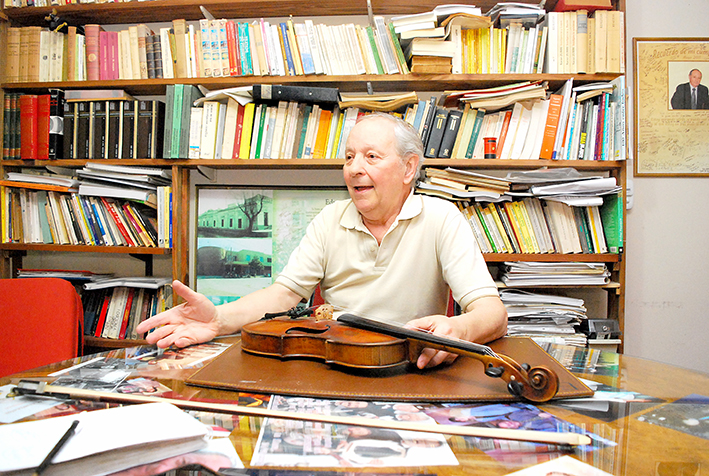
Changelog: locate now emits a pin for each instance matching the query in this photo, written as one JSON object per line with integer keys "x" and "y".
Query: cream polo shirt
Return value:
{"x": 429, "y": 249}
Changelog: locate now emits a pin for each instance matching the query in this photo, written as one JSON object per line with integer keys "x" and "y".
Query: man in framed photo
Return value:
{"x": 691, "y": 95}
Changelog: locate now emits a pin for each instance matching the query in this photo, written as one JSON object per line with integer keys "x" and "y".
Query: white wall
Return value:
{"x": 667, "y": 300}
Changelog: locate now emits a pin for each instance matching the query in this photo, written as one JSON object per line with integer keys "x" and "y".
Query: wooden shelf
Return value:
{"x": 136, "y": 250}
{"x": 612, "y": 286}
{"x": 552, "y": 257}
{"x": 167, "y": 10}
{"x": 323, "y": 163}
{"x": 354, "y": 83}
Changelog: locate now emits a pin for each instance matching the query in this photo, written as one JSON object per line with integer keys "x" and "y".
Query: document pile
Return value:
{"x": 564, "y": 185}
{"x": 544, "y": 318}
{"x": 523, "y": 273}
{"x": 105, "y": 441}
{"x": 455, "y": 184}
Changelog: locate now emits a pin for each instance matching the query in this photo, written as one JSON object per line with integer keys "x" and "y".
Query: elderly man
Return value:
{"x": 691, "y": 95}
{"x": 385, "y": 254}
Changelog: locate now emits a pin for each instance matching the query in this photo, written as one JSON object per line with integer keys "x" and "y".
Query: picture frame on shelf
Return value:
{"x": 670, "y": 138}
{"x": 245, "y": 234}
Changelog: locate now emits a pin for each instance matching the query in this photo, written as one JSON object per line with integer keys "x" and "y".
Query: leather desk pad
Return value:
{"x": 461, "y": 381}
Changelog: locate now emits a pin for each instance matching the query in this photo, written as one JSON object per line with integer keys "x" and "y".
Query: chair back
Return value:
{"x": 41, "y": 322}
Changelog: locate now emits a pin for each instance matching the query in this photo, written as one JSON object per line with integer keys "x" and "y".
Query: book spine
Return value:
{"x": 43, "y": 126}
{"x": 29, "y": 126}
{"x": 56, "y": 124}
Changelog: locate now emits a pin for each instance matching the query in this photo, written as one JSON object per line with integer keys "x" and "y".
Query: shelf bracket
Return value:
{"x": 147, "y": 259}
{"x": 370, "y": 14}
{"x": 207, "y": 172}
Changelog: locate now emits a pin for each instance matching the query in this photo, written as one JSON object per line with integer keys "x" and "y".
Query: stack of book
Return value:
{"x": 431, "y": 40}
{"x": 521, "y": 273}
{"x": 544, "y": 318}
{"x": 26, "y": 126}
{"x": 114, "y": 307}
{"x": 531, "y": 225}
{"x": 37, "y": 210}
{"x": 206, "y": 48}
{"x": 455, "y": 184}
{"x": 288, "y": 122}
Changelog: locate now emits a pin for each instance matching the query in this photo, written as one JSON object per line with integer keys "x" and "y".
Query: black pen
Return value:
{"x": 48, "y": 460}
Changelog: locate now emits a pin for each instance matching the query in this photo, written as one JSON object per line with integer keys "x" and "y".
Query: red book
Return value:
{"x": 102, "y": 316}
{"x": 126, "y": 313}
{"x": 28, "y": 126}
{"x": 104, "y": 43}
{"x": 232, "y": 43}
{"x": 92, "y": 33}
{"x": 503, "y": 132}
{"x": 43, "y": 125}
{"x": 119, "y": 222}
{"x": 114, "y": 68}
{"x": 552, "y": 124}
{"x": 239, "y": 130}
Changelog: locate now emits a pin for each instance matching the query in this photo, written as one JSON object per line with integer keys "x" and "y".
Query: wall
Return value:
{"x": 667, "y": 228}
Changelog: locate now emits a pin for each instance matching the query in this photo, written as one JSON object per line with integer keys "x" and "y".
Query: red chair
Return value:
{"x": 41, "y": 322}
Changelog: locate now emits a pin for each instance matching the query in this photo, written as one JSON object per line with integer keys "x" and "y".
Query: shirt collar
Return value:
{"x": 413, "y": 206}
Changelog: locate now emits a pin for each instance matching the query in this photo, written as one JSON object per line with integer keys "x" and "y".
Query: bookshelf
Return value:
{"x": 167, "y": 10}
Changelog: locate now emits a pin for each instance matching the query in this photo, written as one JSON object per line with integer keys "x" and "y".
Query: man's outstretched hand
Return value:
{"x": 192, "y": 322}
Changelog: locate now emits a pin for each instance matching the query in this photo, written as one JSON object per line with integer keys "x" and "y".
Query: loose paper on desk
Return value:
{"x": 106, "y": 441}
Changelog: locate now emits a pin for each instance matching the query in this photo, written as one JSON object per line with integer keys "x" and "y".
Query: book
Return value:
{"x": 450, "y": 134}
{"x": 56, "y": 124}
{"x": 93, "y": 59}
{"x": 29, "y": 126}
{"x": 612, "y": 212}
{"x": 551, "y": 126}
{"x": 108, "y": 440}
{"x": 273, "y": 93}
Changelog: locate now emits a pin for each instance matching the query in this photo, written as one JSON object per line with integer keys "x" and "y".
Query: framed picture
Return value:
{"x": 245, "y": 235}
{"x": 671, "y": 110}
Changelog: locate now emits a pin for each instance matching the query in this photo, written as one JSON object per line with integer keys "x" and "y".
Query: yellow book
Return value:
{"x": 460, "y": 139}
{"x": 338, "y": 135}
{"x": 528, "y": 225}
{"x": 179, "y": 26}
{"x": 501, "y": 228}
{"x": 295, "y": 51}
{"x": 5, "y": 216}
{"x": 321, "y": 138}
{"x": 512, "y": 215}
{"x": 246, "y": 129}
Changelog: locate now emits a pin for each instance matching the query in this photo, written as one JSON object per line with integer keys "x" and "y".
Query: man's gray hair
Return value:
{"x": 408, "y": 140}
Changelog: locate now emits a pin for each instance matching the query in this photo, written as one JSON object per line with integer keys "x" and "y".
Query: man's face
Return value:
{"x": 376, "y": 179}
{"x": 695, "y": 77}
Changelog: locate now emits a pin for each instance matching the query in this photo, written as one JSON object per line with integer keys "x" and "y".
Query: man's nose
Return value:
{"x": 355, "y": 165}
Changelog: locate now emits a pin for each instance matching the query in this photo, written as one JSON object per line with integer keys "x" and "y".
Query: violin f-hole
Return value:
{"x": 308, "y": 330}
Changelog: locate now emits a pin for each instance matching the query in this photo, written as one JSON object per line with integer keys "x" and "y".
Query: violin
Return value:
{"x": 359, "y": 343}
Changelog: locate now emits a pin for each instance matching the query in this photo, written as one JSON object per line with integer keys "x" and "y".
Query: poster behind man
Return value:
{"x": 246, "y": 234}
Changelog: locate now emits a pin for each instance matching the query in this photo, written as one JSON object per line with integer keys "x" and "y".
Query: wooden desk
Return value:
{"x": 643, "y": 448}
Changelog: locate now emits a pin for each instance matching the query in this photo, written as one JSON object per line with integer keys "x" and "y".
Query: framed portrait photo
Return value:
{"x": 671, "y": 106}
{"x": 245, "y": 234}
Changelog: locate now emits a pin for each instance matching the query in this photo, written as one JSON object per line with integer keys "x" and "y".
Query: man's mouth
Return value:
{"x": 362, "y": 188}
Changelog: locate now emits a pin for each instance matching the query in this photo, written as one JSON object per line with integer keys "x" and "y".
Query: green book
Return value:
{"x": 612, "y": 219}
{"x": 306, "y": 117}
{"x": 167, "y": 129}
{"x": 176, "y": 121}
{"x": 476, "y": 132}
{"x": 397, "y": 49}
{"x": 375, "y": 51}
{"x": 261, "y": 126}
{"x": 478, "y": 210}
{"x": 190, "y": 94}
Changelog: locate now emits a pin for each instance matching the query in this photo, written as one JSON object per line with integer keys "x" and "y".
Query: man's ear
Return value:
{"x": 410, "y": 168}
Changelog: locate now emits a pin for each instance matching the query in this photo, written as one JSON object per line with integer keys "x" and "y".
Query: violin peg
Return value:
{"x": 324, "y": 312}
